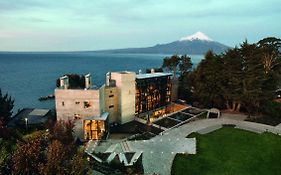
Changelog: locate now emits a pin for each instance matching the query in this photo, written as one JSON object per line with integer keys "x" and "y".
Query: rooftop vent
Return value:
{"x": 88, "y": 81}
{"x": 64, "y": 82}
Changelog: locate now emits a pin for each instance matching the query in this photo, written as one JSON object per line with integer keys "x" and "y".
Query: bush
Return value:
{"x": 272, "y": 108}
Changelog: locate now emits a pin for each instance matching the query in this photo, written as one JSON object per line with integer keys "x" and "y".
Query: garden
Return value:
{"x": 231, "y": 151}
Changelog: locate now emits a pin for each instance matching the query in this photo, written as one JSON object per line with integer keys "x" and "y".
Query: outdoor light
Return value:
{"x": 26, "y": 119}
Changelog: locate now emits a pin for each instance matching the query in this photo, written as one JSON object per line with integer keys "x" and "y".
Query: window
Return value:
{"x": 77, "y": 116}
{"x": 87, "y": 104}
{"x": 110, "y": 96}
{"x": 111, "y": 106}
{"x": 62, "y": 103}
{"x": 77, "y": 102}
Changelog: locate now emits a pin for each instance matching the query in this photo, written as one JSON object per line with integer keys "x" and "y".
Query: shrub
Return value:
{"x": 272, "y": 108}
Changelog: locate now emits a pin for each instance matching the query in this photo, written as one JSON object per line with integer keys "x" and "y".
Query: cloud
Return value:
{"x": 134, "y": 21}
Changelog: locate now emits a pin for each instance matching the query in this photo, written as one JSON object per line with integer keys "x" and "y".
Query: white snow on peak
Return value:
{"x": 196, "y": 36}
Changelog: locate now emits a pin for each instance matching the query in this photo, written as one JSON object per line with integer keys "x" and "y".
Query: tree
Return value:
{"x": 62, "y": 131}
{"x": 28, "y": 157}
{"x": 185, "y": 67}
{"x": 78, "y": 164}
{"x": 57, "y": 158}
{"x": 206, "y": 81}
{"x": 271, "y": 55}
{"x": 5, "y": 132}
{"x": 75, "y": 81}
{"x": 185, "y": 64}
{"x": 6, "y": 107}
{"x": 253, "y": 77}
{"x": 171, "y": 63}
{"x": 231, "y": 79}
{"x": 5, "y": 157}
{"x": 48, "y": 154}
{"x": 269, "y": 50}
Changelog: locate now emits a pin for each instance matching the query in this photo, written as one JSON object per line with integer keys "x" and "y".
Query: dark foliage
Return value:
{"x": 242, "y": 77}
{"x": 75, "y": 81}
{"x": 6, "y": 107}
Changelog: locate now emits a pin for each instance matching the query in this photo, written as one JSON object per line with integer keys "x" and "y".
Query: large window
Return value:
{"x": 94, "y": 129}
{"x": 152, "y": 93}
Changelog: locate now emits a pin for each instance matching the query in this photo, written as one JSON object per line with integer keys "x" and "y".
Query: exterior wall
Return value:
{"x": 71, "y": 101}
{"x": 175, "y": 87}
{"x": 125, "y": 83}
{"x": 109, "y": 102}
{"x": 70, "y": 106}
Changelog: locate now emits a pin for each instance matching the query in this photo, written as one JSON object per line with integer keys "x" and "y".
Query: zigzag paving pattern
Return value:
{"x": 159, "y": 152}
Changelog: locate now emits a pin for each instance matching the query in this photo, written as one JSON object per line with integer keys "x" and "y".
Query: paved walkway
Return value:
{"x": 163, "y": 167}
{"x": 159, "y": 152}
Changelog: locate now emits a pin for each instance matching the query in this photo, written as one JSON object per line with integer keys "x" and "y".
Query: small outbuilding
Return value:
{"x": 30, "y": 117}
{"x": 213, "y": 113}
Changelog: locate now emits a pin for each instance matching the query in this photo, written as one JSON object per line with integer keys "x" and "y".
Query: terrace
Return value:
{"x": 178, "y": 118}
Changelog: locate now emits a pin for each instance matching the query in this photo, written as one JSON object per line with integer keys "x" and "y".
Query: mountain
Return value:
{"x": 198, "y": 44}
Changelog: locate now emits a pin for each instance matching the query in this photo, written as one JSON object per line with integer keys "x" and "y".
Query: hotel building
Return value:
{"x": 124, "y": 96}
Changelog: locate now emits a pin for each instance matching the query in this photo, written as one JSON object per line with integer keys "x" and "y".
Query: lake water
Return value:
{"x": 27, "y": 76}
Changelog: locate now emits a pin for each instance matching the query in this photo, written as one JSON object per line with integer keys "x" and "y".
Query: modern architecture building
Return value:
{"x": 124, "y": 96}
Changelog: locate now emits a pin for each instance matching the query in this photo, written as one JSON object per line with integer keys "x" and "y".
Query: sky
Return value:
{"x": 73, "y": 25}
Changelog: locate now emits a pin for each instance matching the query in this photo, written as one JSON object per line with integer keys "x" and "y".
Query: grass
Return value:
{"x": 230, "y": 151}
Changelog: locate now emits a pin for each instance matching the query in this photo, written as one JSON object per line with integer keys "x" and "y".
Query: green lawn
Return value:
{"x": 230, "y": 151}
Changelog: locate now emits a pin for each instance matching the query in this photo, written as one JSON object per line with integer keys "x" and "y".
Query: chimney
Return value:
{"x": 64, "y": 82}
{"x": 140, "y": 71}
{"x": 88, "y": 81}
{"x": 108, "y": 78}
{"x": 152, "y": 71}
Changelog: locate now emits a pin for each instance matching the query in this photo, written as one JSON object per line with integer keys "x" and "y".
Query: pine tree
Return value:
{"x": 253, "y": 77}
{"x": 6, "y": 107}
{"x": 206, "y": 81}
{"x": 231, "y": 79}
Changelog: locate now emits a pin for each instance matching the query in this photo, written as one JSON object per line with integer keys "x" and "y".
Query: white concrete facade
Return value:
{"x": 126, "y": 90}
{"x": 109, "y": 102}
{"x": 71, "y": 103}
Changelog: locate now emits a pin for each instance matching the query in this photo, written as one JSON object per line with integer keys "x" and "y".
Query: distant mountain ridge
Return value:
{"x": 196, "y": 44}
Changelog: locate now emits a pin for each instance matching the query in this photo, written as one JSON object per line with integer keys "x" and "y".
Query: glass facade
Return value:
{"x": 94, "y": 129}
{"x": 152, "y": 94}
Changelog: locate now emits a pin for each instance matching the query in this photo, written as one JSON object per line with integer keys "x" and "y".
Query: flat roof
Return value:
{"x": 39, "y": 112}
{"x": 153, "y": 75}
{"x": 34, "y": 116}
{"x": 103, "y": 116}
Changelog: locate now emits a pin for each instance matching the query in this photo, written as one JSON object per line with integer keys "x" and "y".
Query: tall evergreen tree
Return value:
{"x": 185, "y": 67}
{"x": 253, "y": 77}
{"x": 206, "y": 81}
{"x": 6, "y": 107}
{"x": 231, "y": 79}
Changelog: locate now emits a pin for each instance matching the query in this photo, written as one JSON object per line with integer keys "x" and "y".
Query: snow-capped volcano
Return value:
{"x": 196, "y": 44}
{"x": 196, "y": 36}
